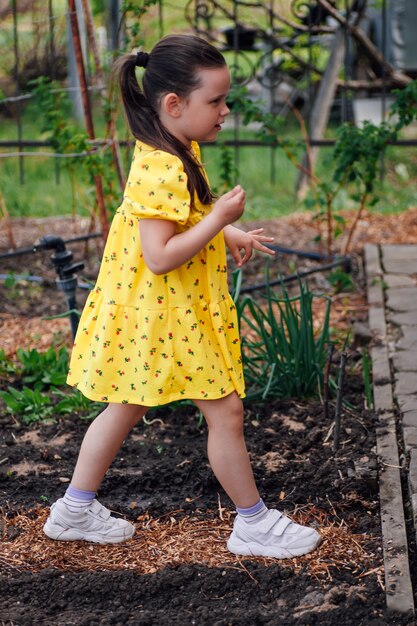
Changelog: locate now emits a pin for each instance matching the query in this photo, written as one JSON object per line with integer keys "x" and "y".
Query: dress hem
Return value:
{"x": 214, "y": 395}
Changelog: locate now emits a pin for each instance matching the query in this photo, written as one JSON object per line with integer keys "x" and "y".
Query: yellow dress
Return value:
{"x": 149, "y": 339}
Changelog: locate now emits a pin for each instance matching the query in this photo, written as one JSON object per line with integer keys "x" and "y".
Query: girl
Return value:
{"x": 160, "y": 324}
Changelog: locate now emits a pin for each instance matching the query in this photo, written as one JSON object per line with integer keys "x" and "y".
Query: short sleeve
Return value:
{"x": 157, "y": 186}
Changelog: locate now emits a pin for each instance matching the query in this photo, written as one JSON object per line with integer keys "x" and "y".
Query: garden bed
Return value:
{"x": 176, "y": 570}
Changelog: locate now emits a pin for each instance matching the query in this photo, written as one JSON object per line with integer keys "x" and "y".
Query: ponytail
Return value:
{"x": 134, "y": 101}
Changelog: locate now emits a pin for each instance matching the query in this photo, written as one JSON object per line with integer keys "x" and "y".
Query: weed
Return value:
{"x": 341, "y": 280}
{"x": 40, "y": 371}
{"x": 43, "y": 369}
{"x": 29, "y": 405}
{"x": 10, "y": 281}
{"x": 7, "y": 367}
{"x": 76, "y": 402}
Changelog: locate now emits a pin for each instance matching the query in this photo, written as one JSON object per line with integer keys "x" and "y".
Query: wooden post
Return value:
{"x": 113, "y": 11}
{"x": 72, "y": 8}
{"x": 322, "y": 105}
{"x": 338, "y": 410}
{"x": 4, "y": 216}
{"x": 73, "y": 81}
{"x": 17, "y": 82}
{"x": 110, "y": 128}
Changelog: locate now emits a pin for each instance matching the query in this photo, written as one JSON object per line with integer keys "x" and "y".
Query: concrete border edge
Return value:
{"x": 398, "y": 587}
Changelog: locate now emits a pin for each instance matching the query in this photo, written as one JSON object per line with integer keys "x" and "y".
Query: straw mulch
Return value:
{"x": 19, "y": 331}
{"x": 174, "y": 540}
{"x": 298, "y": 230}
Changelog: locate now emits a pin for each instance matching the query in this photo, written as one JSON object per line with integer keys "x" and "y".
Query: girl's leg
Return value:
{"x": 257, "y": 531}
{"x": 78, "y": 515}
{"x": 226, "y": 448}
{"x": 101, "y": 443}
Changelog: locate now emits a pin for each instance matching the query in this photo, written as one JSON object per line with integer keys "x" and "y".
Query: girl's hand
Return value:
{"x": 230, "y": 206}
{"x": 237, "y": 240}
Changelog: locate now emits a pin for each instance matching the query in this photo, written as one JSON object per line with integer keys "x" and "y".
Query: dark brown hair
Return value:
{"x": 172, "y": 66}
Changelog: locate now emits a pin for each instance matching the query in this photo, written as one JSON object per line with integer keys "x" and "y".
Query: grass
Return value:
{"x": 42, "y": 195}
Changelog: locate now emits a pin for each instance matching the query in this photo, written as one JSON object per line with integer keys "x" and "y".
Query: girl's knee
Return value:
{"x": 225, "y": 414}
{"x": 131, "y": 413}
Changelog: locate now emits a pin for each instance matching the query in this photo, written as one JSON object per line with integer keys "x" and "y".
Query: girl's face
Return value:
{"x": 203, "y": 111}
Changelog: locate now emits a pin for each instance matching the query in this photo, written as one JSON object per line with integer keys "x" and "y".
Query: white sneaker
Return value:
{"x": 274, "y": 536}
{"x": 94, "y": 523}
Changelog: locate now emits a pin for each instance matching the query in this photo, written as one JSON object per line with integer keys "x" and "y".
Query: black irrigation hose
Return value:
{"x": 35, "y": 248}
{"x": 302, "y": 253}
{"x": 344, "y": 261}
{"x": 51, "y": 242}
{"x": 282, "y": 250}
{"x": 286, "y": 279}
{"x": 18, "y": 277}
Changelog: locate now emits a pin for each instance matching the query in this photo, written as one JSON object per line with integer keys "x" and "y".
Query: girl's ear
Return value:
{"x": 172, "y": 104}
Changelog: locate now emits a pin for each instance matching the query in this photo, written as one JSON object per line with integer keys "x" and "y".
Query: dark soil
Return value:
{"x": 163, "y": 467}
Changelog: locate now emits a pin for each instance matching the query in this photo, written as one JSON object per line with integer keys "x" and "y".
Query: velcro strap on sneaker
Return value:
{"x": 276, "y": 521}
{"x": 281, "y": 526}
{"x": 100, "y": 511}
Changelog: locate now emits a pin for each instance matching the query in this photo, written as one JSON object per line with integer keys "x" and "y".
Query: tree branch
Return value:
{"x": 396, "y": 76}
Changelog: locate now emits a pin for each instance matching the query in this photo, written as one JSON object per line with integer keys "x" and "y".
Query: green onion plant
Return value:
{"x": 283, "y": 355}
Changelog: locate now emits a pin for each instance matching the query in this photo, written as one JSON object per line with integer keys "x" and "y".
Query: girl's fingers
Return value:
{"x": 237, "y": 257}
{"x": 257, "y": 235}
{"x": 237, "y": 254}
{"x": 235, "y": 191}
{"x": 255, "y": 232}
{"x": 262, "y": 238}
{"x": 242, "y": 253}
{"x": 248, "y": 253}
{"x": 258, "y": 246}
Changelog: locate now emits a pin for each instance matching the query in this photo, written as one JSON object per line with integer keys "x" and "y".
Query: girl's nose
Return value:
{"x": 225, "y": 111}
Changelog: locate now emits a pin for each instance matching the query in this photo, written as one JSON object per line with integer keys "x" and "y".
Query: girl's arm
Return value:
{"x": 164, "y": 249}
{"x": 238, "y": 240}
